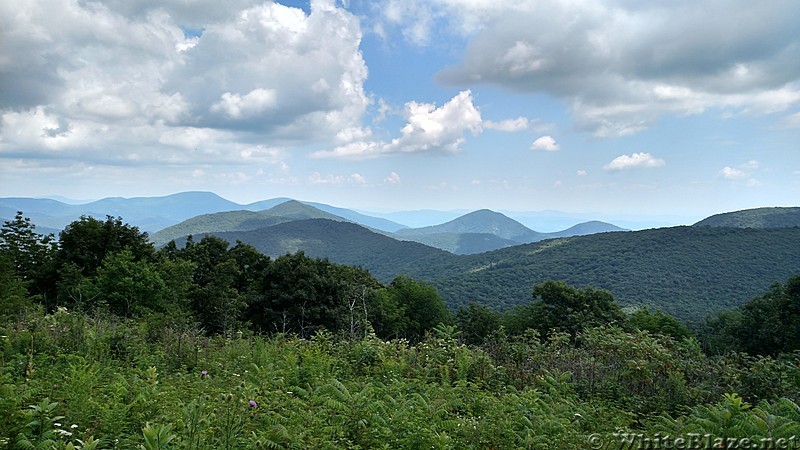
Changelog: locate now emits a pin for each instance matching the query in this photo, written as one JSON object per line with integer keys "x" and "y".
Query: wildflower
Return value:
{"x": 73, "y": 426}
{"x": 253, "y": 403}
{"x": 203, "y": 372}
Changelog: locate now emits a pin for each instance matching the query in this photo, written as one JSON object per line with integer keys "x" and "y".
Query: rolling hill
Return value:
{"x": 686, "y": 271}
{"x": 777, "y": 217}
{"x": 342, "y": 243}
{"x": 153, "y": 214}
{"x": 689, "y": 272}
{"x": 232, "y": 221}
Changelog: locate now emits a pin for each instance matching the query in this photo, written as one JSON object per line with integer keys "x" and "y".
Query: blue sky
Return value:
{"x": 607, "y": 107}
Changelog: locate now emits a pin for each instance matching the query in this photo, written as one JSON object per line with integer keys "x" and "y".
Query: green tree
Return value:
{"x": 477, "y": 322}
{"x": 13, "y": 295}
{"x": 563, "y": 308}
{"x": 766, "y": 325}
{"x": 27, "y": 249}
{"x": 421, "y": 305}
{"x": 86, "y": 243}
{"x": 130, "y": 287}
{"x": 657, "y": 322}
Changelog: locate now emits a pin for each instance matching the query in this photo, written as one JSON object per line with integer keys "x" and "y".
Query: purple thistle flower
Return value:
{"x": 253, "y": 403}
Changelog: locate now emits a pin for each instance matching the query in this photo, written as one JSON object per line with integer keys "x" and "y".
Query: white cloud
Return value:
{"x": 253, "y": 103}
{"x": 743, "y": 173}
{"x": 123, "y": 75}
{"x": 581, "y": 173}
{"x": 731, "y": 173}
{"x": 635, "y": 160}
{"x": 357, "y": 178}
{"x": 428, "y": 130}
{"x": 317, "y": 178}
{"x": 393, "y": 178}
{"x": 622, "y": 65}
{"x": 545, "y": 143}
{"x": 509, "y": 125}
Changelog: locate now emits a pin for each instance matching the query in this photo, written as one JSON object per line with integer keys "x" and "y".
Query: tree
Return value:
{"x": 87, "y": 242}
{"x": 476, "y": 322}
{"x": 421, "y": 305}
{"x": 766, "y": 325}
{"x": 657, "y": 322}
{"x": 28, "y": 250}
{"x": 559, "y": 307}
{"x": 13, "y": 295}
{"x": 130, "y": 287}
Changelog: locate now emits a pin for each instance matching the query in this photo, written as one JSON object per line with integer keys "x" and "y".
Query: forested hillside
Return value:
{"x": 689, "y": 272}
{"x": 755, "y": 218}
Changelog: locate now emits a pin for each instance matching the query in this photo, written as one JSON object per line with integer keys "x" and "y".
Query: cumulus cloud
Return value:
{"x": 393, "y": 178}
{"x": 509, "y": 125}
{"x": 235, "y": 106}
{"x": 545, "y": 143}
{"x": 633, "y": 161}
{"x": 731, "y": 173}
{"x": 743, "y": 173}
{"x": 428, "y": 129}
{"x": 171, "y": 80}
{"x": 622, "y": 65}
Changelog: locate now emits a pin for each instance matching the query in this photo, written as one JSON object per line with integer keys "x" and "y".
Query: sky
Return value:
{"x": 684, "y": 108}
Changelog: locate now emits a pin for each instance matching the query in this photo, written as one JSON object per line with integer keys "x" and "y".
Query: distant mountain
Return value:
{"x": 485, "y": 230}
{"x": 342, "y": 243}
{"x": 481, "y": 221}
{"x": 231, "y": 221}
{"x": 264, "y": 205}
{"x": 582, "y": 229}
{"x": 363, "y": 219}
{"x": 147, "y": 213}
{"x": 152, "y": 214}
{"x": 418, "y": 218}
{"x": 777, "y": 217}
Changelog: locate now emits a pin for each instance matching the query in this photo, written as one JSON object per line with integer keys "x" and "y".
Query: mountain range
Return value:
{"x": 484, "y": 256}
{"x": 174, "y": 216}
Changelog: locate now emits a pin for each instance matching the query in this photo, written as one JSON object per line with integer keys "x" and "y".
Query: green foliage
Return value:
{"x": 88, "y": 241}
{"x": 129, "y": 287}
{"x": 562, "y": 308}
{"x": 777, "y": 217}
{"x": 13, "y": 295}
{"x": 657, "y": 322}
{"x": 157, "y": 437}
{"x": 27, "y": 250}
{"x": 766, "y": 325}
{"x": 477, "y": 322}
{"x": 421, "y": 304}
{"x": 687, "y": 272}
{"x": 337, "y": 392}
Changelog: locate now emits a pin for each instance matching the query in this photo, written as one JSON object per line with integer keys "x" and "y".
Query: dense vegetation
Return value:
{"x": 108, "y": 343}
{"x": 688, "y": 272}
{"x": 778, "y": 217}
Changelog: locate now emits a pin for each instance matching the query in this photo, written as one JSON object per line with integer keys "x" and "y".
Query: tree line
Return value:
{"x": 108, "y": 266}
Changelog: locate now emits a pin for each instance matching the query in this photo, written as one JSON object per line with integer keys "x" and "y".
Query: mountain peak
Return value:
{"x": 480, "y": 221}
